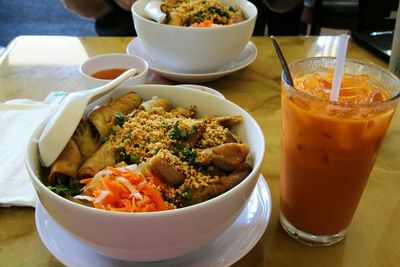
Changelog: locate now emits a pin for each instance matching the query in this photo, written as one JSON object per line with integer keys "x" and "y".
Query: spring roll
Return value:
{"x": 102, "y": 158}
{"x": 126, "y": 103}
{"x": 86, "y": 139}
{"x": 185, "y": 112}
{"x": 102, "y": 118}
{"x": 67, "y": 164}
{"x": 156, "y": 102}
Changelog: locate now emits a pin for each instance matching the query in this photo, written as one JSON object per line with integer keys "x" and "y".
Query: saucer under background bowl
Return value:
{"x": 227, "y": 249}
{"x": 245, "y": 58}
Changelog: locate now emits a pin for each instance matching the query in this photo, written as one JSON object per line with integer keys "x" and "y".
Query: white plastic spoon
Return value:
{"x": 62, "y": 124}
{"x": 153, "y": 11}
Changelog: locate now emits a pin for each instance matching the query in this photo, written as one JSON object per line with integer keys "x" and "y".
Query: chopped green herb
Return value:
{"x": 73, "y": 188}
{"x": 103, "y": 139}
{"x": 219, "y": 11}
{"x": 120, "y": 119}
{"x": 180, "y": 145}
{"x": 188, "y": 20}
{"x": 165, "y": 125}
{"x": 180, "y": 134}
{"x": 128, "y": 136}
{"x": 120, "y": 150}
{"x": 120, "y": 154}
{"x": 177, "y": 133}
{"x": 114, "y": 130}
{"x": 187, "y": 193}
{"x": 189, "y": 155}
{"x": 167, "y": 17}
{"x": 133, "y": 159}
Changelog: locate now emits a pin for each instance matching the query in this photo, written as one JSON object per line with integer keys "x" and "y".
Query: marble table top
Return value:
{"x": 33, "y": 66}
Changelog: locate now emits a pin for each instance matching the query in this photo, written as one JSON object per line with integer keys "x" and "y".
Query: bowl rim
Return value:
{"x": 114, "y": 55}
{"x": 195, "y": 29}
{"x": 256, "y": 168}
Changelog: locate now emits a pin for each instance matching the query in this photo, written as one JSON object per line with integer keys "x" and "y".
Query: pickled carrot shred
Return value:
{"x": 125, "y": 190}
{"x": 205, "y": 23}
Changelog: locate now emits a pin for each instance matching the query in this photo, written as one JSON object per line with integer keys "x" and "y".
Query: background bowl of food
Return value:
{"x": 158, "y": 133}
{"x": 196, "y": 41}
{"x": 100, "y": 69}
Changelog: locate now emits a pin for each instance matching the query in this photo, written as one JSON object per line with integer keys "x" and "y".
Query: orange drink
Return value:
{"x": 329, "y": 148}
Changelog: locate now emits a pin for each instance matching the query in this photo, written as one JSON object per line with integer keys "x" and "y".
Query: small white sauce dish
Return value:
{"x": 113, "y": 61}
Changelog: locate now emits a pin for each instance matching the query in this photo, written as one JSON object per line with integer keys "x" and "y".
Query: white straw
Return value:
{"x": 337, "y": 76}
{"x": 394, "y": 63}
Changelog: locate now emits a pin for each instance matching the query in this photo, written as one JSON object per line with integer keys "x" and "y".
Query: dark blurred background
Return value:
{"x": 319, "y": 17}
{"x": 39, "y": 17}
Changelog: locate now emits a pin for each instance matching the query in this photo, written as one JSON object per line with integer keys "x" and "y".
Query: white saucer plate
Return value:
{"x": 232, "y": 245}
{"x": 245, "y": 58}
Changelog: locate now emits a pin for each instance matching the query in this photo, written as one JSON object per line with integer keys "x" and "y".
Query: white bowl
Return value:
{"x": 191, "y": 49}
{"x": 202, "y": 88}
{"x": 157, "y": 235}
{"x": 111, "y": 61}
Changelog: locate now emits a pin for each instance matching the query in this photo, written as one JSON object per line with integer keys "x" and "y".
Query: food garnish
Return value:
{"x": 124, "y": 189}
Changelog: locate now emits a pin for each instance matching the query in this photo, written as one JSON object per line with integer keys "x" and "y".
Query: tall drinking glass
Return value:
{"x": 329, "y": 148}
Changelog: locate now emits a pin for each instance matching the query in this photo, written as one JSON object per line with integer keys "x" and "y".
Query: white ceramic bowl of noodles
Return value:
{"x": 193, "y": 49}
{"x": 160, "y": 235}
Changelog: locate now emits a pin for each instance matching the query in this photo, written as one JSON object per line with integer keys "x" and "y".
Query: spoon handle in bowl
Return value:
{"x": 153, "y": 11}
{"x": 105, "y": 89}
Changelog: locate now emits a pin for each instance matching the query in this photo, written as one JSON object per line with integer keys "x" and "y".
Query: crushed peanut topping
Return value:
{"x": 169, "y": 136}
{"x": 144, "y": 134}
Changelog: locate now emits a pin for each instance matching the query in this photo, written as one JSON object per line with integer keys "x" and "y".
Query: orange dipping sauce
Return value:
{"x": 109, "y": 74}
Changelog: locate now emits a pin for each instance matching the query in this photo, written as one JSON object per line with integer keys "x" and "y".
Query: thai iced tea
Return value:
{"x": 329, "y": 148}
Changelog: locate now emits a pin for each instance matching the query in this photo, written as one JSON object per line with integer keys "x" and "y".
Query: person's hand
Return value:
{"x": 125, "y": 4}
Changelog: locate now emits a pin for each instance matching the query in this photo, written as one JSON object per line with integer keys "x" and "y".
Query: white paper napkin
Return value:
{"x": 18, "y": 119}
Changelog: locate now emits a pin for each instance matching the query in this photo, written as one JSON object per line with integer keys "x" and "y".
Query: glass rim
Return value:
{"x": 342, "y": 104}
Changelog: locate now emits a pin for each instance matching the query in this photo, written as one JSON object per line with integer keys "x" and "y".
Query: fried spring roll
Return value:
{"x": 102, "y": 118}
{"x": 126, "y": 103}
{"x": 86, "y": 139}
{"x": 67, "y": 164}
{"x": 185, "y": 112}
{"x": 156, "y": 102}
{"x": 102, "y": 158}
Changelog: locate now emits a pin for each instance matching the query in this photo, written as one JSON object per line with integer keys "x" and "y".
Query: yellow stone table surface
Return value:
{"x": 33, "y": 66}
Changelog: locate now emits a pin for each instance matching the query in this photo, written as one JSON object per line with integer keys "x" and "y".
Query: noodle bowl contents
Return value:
{"x": 200, "y": 13}
{"x": 136, "y": 156}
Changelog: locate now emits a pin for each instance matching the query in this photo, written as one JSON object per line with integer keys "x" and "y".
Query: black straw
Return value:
{"x": 283, "y": 61}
